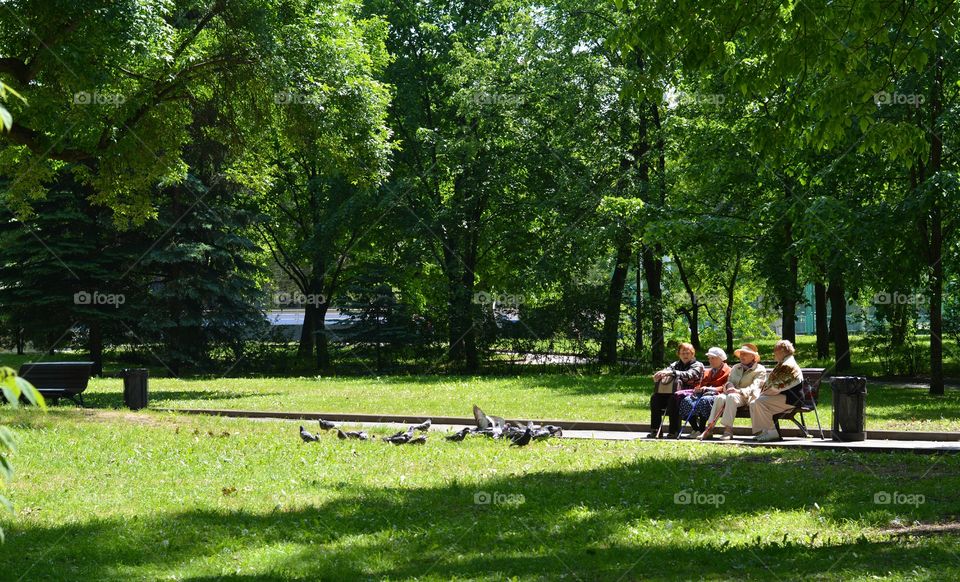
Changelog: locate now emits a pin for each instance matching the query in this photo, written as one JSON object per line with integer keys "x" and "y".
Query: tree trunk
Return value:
{"x": 692, "y": 314}
{"x": 638, "y": 331}
{"x": 653, "y": 273}
{"x": 307, "y": 332}
{"x": 611, "y": 313}
{"x": 788, "y": 295}
{"x": 95, "y": 345}
{"x": 820, "y": 317}
{"x": 728, "y": 312}
{"x": 935, "y": 253}
{"x": 838, "y": 323}
{"x": 462, "y": 334}
{"x": 789, "y": 298}
{"x": 470, "y": 348}
{"x": 322, "y": 341}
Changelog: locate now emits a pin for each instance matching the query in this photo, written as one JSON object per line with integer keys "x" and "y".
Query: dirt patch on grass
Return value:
{"x": 139, "y": 418}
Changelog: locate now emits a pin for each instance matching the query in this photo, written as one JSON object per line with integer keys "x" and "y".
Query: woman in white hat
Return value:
{"x": 742, "y": 388}
{"x": 703, "y": 395}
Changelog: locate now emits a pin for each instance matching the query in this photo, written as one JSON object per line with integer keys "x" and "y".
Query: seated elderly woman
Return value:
{"x": 696, "y": 404}
{"x": 686, "y": 372}
{"x": 780, "y": 392}
{"x": 742, "y": 388}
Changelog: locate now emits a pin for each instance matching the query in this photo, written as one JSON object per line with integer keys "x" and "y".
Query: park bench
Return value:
{"x": 56, "y": 380}
{"x": 810, "y": 397}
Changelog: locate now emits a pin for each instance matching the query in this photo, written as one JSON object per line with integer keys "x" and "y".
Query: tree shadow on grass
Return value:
{"x": 588, "y": 525}
{"x": 164, "y": 397}
{"x": 567, "y": 383}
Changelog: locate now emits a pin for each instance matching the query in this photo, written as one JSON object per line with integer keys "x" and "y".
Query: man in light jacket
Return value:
{"x": 742, "y": 388}
{"x": 780, "y": 392}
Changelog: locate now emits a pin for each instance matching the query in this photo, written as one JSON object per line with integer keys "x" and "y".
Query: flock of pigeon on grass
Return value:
{"x": 494, "y": 427}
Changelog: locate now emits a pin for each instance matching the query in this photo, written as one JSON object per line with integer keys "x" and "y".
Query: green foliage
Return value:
{"x": 13, "y": 387}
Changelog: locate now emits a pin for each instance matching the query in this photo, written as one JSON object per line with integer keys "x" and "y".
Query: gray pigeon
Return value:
{"x": 524, "y": 439}
{"x": 458, "y": 436}
{"x": 326, "y": 425}
{"x": 541, "y": 434}
{"x": 483, "y": 421}
{"x": 352, "y": 434}
{"x": 306, "y": 436}
{"x": 400, "y": 437}
{"x": 418, "y": 441}
{"x": 423, "y": 426}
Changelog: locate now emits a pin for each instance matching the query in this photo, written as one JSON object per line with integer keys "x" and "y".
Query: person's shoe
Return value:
{"x": 706, "y": 436}
{"x": 695, "y": 434}
{"x": 652, "y": 435}
{"x": 768, "y": 436}
{"x": 727, "y": 435}
{"x": 672, "y": 435}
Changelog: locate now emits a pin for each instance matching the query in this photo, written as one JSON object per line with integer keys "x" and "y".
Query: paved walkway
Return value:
{"x": 879, "y": 441}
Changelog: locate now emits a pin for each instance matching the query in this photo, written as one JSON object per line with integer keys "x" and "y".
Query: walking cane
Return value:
{"x": 713, "y": 422}
{"x": 693, "y": 407}
{"x": 663, "y": 416}
{"x": 813, "y": 402}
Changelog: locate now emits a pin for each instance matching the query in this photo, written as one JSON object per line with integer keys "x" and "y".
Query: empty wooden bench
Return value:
{"x": 56, "y": 380}
{"x": 810, "y": 398}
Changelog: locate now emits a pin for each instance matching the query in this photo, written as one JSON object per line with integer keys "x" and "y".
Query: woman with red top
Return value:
{"x": 703, "y": 395}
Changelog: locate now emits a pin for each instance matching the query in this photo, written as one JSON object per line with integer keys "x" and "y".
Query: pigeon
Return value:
{"x": 306, "y": 436}
{"x": 350, "y": 434}
{"x": 554, "y": 430}
{"x": 326, "y": 425}
{"x": 541, "y": 434}
{"x": 483, "y": 421}
{"x": 512, "y": 432}
{"x": 524, "y": 439}
{"x": 458, "y": 436}
{"x": 423, "y": 426}
{"x": 418, "y": 441}
{"x": 401, "y": 437}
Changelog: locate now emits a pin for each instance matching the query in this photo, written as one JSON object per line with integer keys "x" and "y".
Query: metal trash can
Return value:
{"x": 135, "y": 388}
{"x": 849, "y": 408}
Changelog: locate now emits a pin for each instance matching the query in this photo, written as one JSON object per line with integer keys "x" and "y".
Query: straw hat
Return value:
{"x": 747, "y": 349}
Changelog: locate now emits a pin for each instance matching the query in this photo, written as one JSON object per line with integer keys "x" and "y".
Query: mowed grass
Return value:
{"x": 111, "y": 495}
{"x": 615, "y": 398}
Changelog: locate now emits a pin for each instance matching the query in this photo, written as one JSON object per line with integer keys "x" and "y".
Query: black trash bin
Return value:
{"x": 135, "y": 388}
{"x": 849, "y": 408}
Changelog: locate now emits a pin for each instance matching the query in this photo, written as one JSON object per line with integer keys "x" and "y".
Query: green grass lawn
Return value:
{"x": 111, "y": 495}
{"x": 553, "y": 396}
